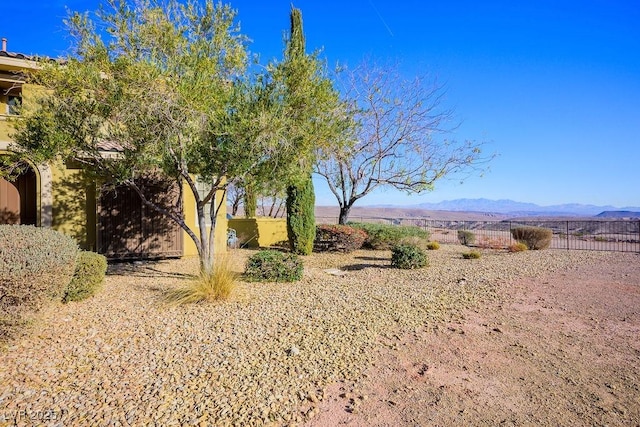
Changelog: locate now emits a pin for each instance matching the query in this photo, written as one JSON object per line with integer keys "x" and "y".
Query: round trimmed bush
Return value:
{"x": 534, "y": 237}
{"x": 36, "y": 265}
{"x": 87, "y": 278}
{"x": 408, "y": 257}
{"x": 273, "y": 266}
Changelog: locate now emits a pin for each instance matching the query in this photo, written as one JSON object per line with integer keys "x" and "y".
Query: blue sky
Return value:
{"x": 553, "y": 87}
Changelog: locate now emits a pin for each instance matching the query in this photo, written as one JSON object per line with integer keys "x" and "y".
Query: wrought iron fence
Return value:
{"x": 598, "y": 235}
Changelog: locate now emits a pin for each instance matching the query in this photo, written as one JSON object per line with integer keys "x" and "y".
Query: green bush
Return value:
{"x": 36, "y": 265}
{"x": 301, "y": 219}
{"x": 87, "y": 278}
{"x": 273, "y": 266}
{"x": 338, "y": 238}
{"x": 471, "y": 255}
{"x": 433, "y": 246}
{"x": 534, "y": 237}
{"x": 385, "y": 236}
{"x": 408, "y": 257}
{"x": 466, "y": 237}
{"x": 518, "y": 247}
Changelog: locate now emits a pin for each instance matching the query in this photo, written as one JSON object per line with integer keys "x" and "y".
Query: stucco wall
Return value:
{"x": 260, "y": 231}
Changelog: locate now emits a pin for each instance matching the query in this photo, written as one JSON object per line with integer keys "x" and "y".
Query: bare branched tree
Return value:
{"x": 396, "y": 138}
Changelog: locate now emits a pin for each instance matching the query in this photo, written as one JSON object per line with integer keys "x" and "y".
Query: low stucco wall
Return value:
{"x": 259, "y": 232}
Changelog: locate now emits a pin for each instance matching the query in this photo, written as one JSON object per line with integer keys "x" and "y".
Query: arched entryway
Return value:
{"x": 19, "y": 199}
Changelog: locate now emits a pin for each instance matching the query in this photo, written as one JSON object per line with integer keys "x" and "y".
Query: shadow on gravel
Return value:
{"x": 358, "y": 267}
{"x": 371, "y": 258}
{"x": 143, "y": 269}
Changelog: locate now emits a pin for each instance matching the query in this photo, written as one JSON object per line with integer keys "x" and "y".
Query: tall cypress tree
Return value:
{"x": 301, "y": 224}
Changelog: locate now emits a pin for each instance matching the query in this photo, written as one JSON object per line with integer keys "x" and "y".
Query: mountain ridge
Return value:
{"x": 511, "y": 207}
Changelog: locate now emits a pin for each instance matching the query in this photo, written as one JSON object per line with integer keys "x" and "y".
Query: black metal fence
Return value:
{"x": 597, "y": 235}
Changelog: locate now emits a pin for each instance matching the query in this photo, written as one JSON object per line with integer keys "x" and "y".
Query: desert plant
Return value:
{"x": 273, "y": 266}
{"x": 408, "y": 257}
{"x": 471, "y": 255}
{"x": 534, "y": 237}
{"x": 384, "y": 236}
{"x": 338, "y": 238}
{"x": 87, "y": 278}
{"x": 433, "y": 246}
{"x": 218, "y": 285}
{"x": 36, "y": 264}
{"x": 493, "y": 243}
{"x": 518, "y": 247}
{"x": 466, "y": 237}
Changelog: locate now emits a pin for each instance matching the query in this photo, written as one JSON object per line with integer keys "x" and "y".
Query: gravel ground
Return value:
{"x": 123, "y": 357}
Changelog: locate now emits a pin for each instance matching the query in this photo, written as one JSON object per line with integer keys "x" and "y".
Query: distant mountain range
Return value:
{"x": 510, "y": 207}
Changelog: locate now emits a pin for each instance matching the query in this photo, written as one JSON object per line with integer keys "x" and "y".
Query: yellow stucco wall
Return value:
{"x": 259, "y": 232}
{"x": 74, "y": 205}
{"x": 190, "y": 217}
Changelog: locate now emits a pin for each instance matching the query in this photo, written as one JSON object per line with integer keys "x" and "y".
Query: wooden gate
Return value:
{"x": 128, "y": 229}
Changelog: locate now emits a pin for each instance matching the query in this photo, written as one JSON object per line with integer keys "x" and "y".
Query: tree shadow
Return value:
{"x": 9, "y": 217}
{"x": 371, "y": 258}
{"x": 358, "y": 267}
{"x": 143, "y": 269}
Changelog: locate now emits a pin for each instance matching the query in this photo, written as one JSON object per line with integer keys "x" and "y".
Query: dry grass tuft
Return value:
{"x": 219, "y": 285}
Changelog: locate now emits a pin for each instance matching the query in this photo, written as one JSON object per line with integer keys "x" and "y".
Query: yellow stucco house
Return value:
{"x": 61, "y": 196}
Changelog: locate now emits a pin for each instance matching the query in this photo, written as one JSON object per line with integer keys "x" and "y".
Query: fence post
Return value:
{"x": 567, "y": 235}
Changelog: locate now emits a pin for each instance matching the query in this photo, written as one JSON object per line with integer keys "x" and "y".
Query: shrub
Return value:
{"x": 408, "y": 257}
{"x": 36, "y": 265}
{"x": 87, "y": 278}
{"x": 471, "y": 255}
{"x": 466, "y": 237}
{"x": 301, "y": 220}
{"x": 273, "y": 266}
{"x": 534, "y": 237}
{"x": 384, "y": 236}
{"x": 219, "y": 285}
{"x": 338, "y": 238}
{"x": 517, "y": 247}
{"x": 493, "y": 243}
{"x": 433, "y": 246}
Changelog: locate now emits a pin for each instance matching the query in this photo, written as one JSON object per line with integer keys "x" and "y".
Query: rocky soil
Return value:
{"x": 366, "y": 344}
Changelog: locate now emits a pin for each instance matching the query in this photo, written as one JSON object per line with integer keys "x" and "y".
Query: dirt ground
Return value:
{"x": 562, "y": 350}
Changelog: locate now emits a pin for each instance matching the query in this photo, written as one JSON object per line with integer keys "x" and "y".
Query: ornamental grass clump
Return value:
{"x": 338, "y": 238}
{"x": 87, "y": 278}
{"x": 36, "y": 265}
{"x": 408, "y": 257}
{"x": 518, "y": 247}
{"x": 273, "y": 266}
{"x": 471, "y": 255}
{"x": 534, "y": 237}
{"x": 217, "y": 285}
{"x": 433, "y": 246}
{"x": 385, "y": 236}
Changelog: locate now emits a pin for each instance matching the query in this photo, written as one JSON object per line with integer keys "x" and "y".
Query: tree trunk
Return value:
{"x": 344, "y": 214}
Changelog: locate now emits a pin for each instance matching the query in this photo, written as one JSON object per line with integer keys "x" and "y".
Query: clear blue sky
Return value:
{"x": 552, "y": 86}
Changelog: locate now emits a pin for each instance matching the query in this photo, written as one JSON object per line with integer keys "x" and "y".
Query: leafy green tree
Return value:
{"x": 166, "y": 83}
{"x": 313, "y": 110}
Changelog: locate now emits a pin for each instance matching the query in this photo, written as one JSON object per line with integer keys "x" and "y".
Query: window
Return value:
{"x": 13, "y": 104}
